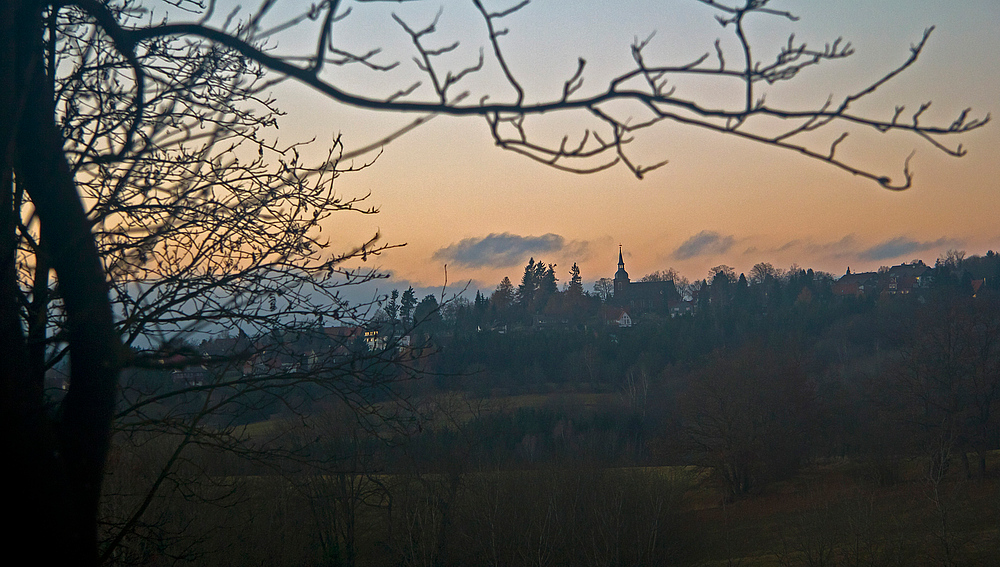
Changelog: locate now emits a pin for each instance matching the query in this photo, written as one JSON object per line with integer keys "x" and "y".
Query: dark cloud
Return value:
{"x": 851, "y": 247}
{"x": 846, "y": 247}
{"x": 502, "y": 250}
{"x": 704, "y": 243}
{"x": 903, "y": 246}
{"x": 788, "y": 245}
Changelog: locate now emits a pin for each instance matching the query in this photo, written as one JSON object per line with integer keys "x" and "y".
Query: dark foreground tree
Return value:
{"x": 949, "y": 380}
{"x": 206, "y": 226}
{"x": 57, "y": 457}
{"x": 746, "y": 415}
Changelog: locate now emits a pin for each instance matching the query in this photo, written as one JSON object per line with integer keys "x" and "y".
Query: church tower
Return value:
{"x": 621, "y": 276}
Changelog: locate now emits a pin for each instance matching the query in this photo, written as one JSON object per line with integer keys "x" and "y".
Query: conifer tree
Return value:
{"x": 503, "y": 297}
{"x": 575, "y": 287}
{"x": 529, "y": 284}
{"x": 547, "y": 283}
{"x": 392, "y": 306}
{"x": 406, "y": 305}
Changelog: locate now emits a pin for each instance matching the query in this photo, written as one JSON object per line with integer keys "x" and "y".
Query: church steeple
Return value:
{"x": 621, "y": 276}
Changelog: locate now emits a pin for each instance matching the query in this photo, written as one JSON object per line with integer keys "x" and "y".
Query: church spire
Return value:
{"x": 621, "y": 276}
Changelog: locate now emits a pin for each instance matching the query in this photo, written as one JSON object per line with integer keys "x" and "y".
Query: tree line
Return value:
{"x": 538, "y": 301}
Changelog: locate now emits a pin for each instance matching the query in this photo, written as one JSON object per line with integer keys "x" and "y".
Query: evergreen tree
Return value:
{"x": 575, "y": 287}
{"x": 392, "y": 306}
{"x": 427, "y": 315}
{"x": 503, "y": 298}
{"x": 406, "y": 305}
{"x": 547, "y": 283}
{"x": 529, "y": 284}
{"x": 481, "y": 303}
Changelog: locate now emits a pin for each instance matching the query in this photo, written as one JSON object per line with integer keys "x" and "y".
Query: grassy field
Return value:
{"x": 837, "y": 512}
{"x": 834, "y": 514}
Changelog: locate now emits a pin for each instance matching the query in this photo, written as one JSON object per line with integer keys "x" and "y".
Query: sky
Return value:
{"x": 470, "y": 213}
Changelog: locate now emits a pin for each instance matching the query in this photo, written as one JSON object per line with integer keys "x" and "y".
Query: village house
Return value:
{"x": 857, "y": 284}
{"x": 902, "y": 279}
{"x": 906, "y": 278}
{"x": 618, "y": 316}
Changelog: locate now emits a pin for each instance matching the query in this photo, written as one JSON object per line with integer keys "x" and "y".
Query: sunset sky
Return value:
{"x": 455, "y": 199}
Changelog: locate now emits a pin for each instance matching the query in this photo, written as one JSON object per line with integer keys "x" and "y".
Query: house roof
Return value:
{"x": 341, "y": 332}
{"x": 615, "y": 313}
{"x": 914, "y": 270}
{"x": 856, "y": 278}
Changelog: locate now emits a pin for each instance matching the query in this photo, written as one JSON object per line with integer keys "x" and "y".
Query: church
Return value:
{"x": 642, "y": 297}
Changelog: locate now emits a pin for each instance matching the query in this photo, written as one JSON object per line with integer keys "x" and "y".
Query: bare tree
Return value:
{"x": 648, "y": 85}
{"x": 949, "y": 380}
{"x": 745, "y": 416}
{"x": 62, "y": 457}
{"x": 604, "y": 288}
{"x": 206, "y": 225}
{"x": 763, "y": 272}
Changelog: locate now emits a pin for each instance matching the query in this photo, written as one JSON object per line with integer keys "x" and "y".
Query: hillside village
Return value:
{"x": 407, "y": 329}
{"x": 537, "y": 305}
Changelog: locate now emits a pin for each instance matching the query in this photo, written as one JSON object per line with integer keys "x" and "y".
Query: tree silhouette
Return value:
{"x": 745, "y": 416}
{"x": 406, "y": 305}
{"x": 575, "y": 287}
{"x": 502, "y": 299}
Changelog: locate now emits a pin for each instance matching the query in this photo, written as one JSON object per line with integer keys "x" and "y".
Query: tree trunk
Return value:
{"x": 56, "y": 460}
